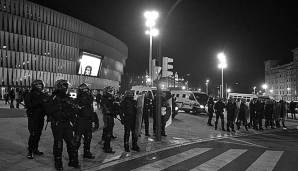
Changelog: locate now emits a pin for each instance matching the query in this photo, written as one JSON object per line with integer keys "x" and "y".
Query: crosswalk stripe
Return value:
{"x": 220, "y": 160}
{"x": 266, "y": 161}
{"x": 170, "y": 161}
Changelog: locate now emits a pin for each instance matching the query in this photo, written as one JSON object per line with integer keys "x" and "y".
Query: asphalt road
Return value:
{"x": 274, "y": 150}
{"x": 12, "y": 113}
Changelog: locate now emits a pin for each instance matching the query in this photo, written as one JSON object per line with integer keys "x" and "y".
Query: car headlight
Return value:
{"x": 176, "y": 108}
{"x": 201, "y": 106}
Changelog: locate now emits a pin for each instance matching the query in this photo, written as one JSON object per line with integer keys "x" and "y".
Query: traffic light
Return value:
{"x": 167, "y": 64}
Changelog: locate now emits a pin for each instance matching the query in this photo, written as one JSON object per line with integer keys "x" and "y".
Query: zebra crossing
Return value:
{"x": 266, "y": 161}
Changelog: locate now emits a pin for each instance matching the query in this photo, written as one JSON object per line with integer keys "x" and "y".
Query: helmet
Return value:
{"x": 35, "y": 84}
{"x": 129, "y": 93}
{"x": 83, "y": 86}
{"x": 108, "y": 89}
{"x": 62, "y": 84}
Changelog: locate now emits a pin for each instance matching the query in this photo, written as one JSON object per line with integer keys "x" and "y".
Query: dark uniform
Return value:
{"x": 253, "y": 114}
{"x": 231, "y": 114}
{"x": 86, "y": 117}
{"x": 260, "y": 113}
{"x": 146, "y": 112}
{"x": 241, "y": 115}
{"x": 210, "y": 110}
{"x": 128, "y": 117}
{"x": 61, "y": 110}
{"x": 107, "y": 105}
{"x": 35, "y": 112}
{"x": 269, "y": 114}
{"x": 292, "y": 109}
{"x": 219, "y": 109}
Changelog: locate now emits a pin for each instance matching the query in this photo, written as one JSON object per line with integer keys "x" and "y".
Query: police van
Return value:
{"x": 138, "y": 90}
{"x": 190, "y": 101}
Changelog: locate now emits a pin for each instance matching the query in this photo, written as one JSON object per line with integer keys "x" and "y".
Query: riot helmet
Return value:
{"x": 108, "y": 90}
{"x": 62, "y": 85}
{"x": 37, "y": 85}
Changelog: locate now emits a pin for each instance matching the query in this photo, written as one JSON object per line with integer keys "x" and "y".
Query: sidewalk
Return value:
{"x": 185, "y": 128}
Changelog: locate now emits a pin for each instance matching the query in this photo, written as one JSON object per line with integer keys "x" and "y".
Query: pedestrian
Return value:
{"x": 283, "y": 112}
{"x": 85, "y": 120}
{"x": 231, "y": 114}
{"x": 116, "y": 110}
{"x": 241, "y": 115}
{"x": 6, "y": 97}
{"x": 219, "y": 109}
{"x": 292, "y": 109}
{"x": 210, "y": 104}
{"x": 129, "y": 118}
{"x": 146, "y": 112}
{"x": 18, "y": 97}
{"x": 269, "y": 114}
{"x": 34, "y": 104}
{"x": 276, "y": 114}
{"x": 260, "y": 113}
{"x": 108, "y": 116}
{"x": 154, "y": 113}
{"x": 11, "y": 95}
{"x": 61, "y": 110}
{"x": 253, "y": 115}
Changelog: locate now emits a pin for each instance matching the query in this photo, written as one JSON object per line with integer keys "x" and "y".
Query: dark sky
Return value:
{"x": 248, "y": 31}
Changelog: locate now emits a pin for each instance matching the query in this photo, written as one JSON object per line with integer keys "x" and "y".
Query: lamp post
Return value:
{"x": 151, "y": 17}
{"x": 207, "y": 82}
{"x": 222, "y": 65}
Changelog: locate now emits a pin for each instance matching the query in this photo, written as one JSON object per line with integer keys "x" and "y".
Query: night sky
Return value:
{"x": 248, "y": 31}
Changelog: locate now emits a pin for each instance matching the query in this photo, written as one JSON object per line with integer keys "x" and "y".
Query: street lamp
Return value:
{"x": 265, "y": 86}
{"x": 222, "y": 64}
{"x": 151, "y": 17}
{"x": 207, "y": 82}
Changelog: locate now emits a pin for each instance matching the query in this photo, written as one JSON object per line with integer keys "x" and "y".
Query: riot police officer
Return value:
{"x": 107, "y": 104}
{"x": 129, "y": 118}
{"x": 210, "y": 104}
{"x": 34, "y": 101}
{"x": 219, "y": 109}
{"x": 61, "y": 109}
{"x": 85, "y": 119}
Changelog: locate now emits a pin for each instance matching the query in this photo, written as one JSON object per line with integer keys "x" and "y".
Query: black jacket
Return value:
{"x": 34, "y": 103}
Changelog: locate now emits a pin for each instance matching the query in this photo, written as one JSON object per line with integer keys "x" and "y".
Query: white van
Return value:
{"x": 138, "y": 90}
{"x": 189, "y": 100}
{"x": 247, "y": 97}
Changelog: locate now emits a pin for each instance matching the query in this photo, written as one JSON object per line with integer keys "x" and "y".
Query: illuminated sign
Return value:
{"x": 89, "y": 64}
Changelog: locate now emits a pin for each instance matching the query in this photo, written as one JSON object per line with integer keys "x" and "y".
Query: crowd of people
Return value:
{"x": 71, "y": 119}
{"x": 251, "y": 114}
{"x": 14, "y": 96}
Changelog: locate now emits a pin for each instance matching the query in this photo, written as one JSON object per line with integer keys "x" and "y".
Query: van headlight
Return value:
{"x": 202, "y": 107}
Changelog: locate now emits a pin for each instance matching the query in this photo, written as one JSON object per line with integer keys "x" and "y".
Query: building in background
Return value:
{"x": 282, "y": 80}
{"x": 40, "y": 43}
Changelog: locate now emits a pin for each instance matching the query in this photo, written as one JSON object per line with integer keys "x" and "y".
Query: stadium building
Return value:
{"x": 40, "y": 43}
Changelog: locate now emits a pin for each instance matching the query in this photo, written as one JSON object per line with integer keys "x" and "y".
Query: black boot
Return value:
{"x": 109, "y": 150}
{"x": 88, "y": 155}
{"x": 58, "y": 164}
{"x": 126, "y": 147}
{"x": 135, "y": 148}
{"x": 37, "y": 152}
{"x": 30, "y": 155}
{"x": 74, "y": 164}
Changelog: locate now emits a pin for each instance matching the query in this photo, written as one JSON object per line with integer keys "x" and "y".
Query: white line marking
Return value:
{"x": 170, "y": 161}
{"x": 220, "y": 161}
{"x": 266, "y": 161}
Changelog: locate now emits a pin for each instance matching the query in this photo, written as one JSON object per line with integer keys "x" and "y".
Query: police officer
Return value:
{"x": 85, "y": 119}
{"x": 242, "y": 115}
{"x": 210, "y": 104}
{"x": 107, "y": 104}
{"x": 231, "y": 114}
{"x": 146, "y": 112}
{"x": 128, "y": 117}
{"x": 34, "y": 101}
{"x": 260, "y": 114}
{"x": 61, "y": 110}
{"x": 219, "y": 109}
